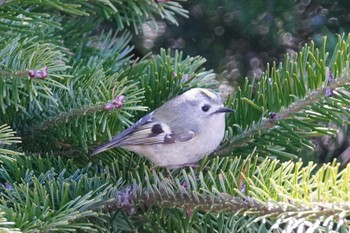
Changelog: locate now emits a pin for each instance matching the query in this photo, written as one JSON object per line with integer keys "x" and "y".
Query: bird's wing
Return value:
{"x": 146, "y": 131}
{"x": 117, "y": 139}
{"x": 156, "y": 131}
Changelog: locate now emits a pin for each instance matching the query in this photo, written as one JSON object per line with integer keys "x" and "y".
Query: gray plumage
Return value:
{"x": 178, "y": 133}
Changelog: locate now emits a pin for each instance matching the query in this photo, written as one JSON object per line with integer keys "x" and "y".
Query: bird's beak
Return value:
{"x": 224, "y": 110}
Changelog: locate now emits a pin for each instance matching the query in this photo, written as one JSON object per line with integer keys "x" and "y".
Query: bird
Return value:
{"x": 179, "y": 133}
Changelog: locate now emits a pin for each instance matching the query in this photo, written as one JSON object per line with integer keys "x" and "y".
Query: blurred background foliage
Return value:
{"x": 238, "y": 38}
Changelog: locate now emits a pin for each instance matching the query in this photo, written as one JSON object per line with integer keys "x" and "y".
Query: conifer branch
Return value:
{"x": 66, "y": 85}
{"x": 7, "y": 138}
{"x": 4, "y": 224}
{"x": 288, "y": 193}
{"x": 289, "y": 113}
{"x": 290, "y": 106}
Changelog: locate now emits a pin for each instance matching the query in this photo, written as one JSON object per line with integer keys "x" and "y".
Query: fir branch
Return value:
{"x": 54, "y": 194}
{"x": 7, "y": 137}
{"x": 134, "y": 13}
{"x": 55, "y": 202}
{"x": 297, "y": 114}
{"x": 112, "y": 50}
{"x": 5, "y": 225}
{"x": 18, "y": 6}
{"x": 169, "y": 74}
{"x": 58, "y": 126}
{"x": 17, "y": 20}
{"x": 283, "y": 193}
{"x": 289, "y": 113}
{"x": 17, "y": 88}
{"x": 76, "y": 113}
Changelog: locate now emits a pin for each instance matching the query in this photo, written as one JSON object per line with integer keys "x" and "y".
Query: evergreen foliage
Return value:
{"x": 60, "y": 70}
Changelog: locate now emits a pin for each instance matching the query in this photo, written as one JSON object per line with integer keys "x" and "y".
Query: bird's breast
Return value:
{"x": 177, "y": 154}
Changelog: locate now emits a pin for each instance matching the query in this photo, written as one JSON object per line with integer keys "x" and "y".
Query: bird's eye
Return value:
{"x": 205, "y": 108}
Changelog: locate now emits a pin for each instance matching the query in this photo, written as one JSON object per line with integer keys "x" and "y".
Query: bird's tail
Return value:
{"x": 105, "y": 147}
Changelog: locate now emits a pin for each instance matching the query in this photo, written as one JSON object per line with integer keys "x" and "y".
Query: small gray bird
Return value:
{"x": 178, "y": 133}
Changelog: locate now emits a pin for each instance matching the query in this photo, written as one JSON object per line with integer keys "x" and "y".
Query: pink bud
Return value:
{"x": 44, "y": 73}
{"x": 31, "y": 73}
{"x": 8, "y": 186}
{"x": 41, "y": 74}
{"x": 117, "y": 103}
{"x": 273, "y": 116}
{"x": 109, "y": 106}
{"x": 329, "y": 92}
{"x": 121, "y": 98}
